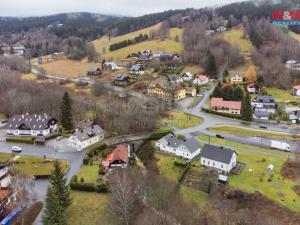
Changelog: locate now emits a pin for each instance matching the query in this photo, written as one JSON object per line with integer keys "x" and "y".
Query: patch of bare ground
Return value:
{"x": 296, "y": 189}
{"x": 291, "y": 170}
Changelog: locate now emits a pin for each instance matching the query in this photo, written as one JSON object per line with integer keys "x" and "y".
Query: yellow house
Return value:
{"x": 236, "y": 79}
{"x": 157, "y": 90}
{"x": 191, "y": 91}
{"x": 180, "y": 93}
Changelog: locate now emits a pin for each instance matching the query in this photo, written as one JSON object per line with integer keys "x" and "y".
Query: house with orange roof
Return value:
{"x": 220, "y": 105}
{"x": 118, "y": 158}
{"x": 296, "y": 90}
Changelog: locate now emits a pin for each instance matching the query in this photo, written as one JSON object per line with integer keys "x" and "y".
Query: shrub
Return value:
{"x": 180, "y": 164}
{"x": 74, "y": 179}
{"x": 233, "y": 116}
{"x": 96, "y": 148}
{"x": 184, "y": 173}
{"x": 101, "y": 187}
{"x": 20, "y": 140}
{"x": 82, "y": 179}
{"x": 86, "y": 160}
{"x": 89, "y": 187}
{"x": 159, "y": 134}
{"x": 105, "y": 153}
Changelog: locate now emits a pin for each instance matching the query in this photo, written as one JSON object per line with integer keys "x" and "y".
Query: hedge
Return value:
{"x": 96, "y": 148}
{"x": 180, "y": 164}
{"x": 20, "y": 140}
{"x": 232, "y": 116}
{"x": 89, "y": 187}
{"x": 184, "y": 173}
{"x": 159, "y": 134}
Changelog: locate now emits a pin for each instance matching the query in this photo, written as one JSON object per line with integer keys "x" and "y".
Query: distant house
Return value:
{"x": 292, "y": 65}
{"x": 58, "y": 56}
{"x": 118, "y": 158}
{"x": 136, "y": 69}
{"x": 236, "y": 79}
{"x": 187, "y": 76}
{"x": 180, "y": 92}
{"x": 157, "y": 53}
{"x": 294, "y": 117}
{"x": 200, "y": 80}
{"x": 187, "y": 149}
{"x": 209, "y": 32}
{"x": 31, "y": 125}
{"x": 121, "y": 79}
{"x": 146, "y": 52}
{"x": 221, "y": 29}
{"x": 261, "y": 115}
{"x": 18, "y": 49}
{"x": 220, "y": 105}
{"x": 191, "y": 91}
{"x": 94, "y": 71}
{"x": 253, "y": 88}
{"x": 111, "y": 66}
{"x": 264, "y": 103}
{"x": 87, "y": 133}
{"x": 222, "y": 159}
{"x": 296, "y": 90}
{"x": 174, "y": 79}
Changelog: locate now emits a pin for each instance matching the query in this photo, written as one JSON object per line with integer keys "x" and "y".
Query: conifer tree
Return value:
{"x": 60, "y": 186}
{"x": 246, "y": 109}
{"x": 53, "y": 213}
{"x": 211, "y": 67}
{"x": 66, "y": 112}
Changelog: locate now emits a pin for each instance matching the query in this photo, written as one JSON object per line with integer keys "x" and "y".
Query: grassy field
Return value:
{"x": 168, "y": 45}
{"x": 33, "y": 165}
{"x": 88, "y": 208}
{"x": 235, "y": 35}
{"x": 191, "y": 195}
{"x": 282, "y": 95}
{"x": 2, "y": 116}
{"x": 68, "y": 68}
{"x": 218, "y": 141}
{"x": 279, "y": 189}
{"x": 89, "y": 173}
{"x": 245, "y": 132}
{"x": 182, "y": 120}
{"x": 193, "y": 69}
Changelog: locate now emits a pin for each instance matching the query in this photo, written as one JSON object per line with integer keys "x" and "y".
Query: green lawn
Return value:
{"x": 282, "y": 95}
{"x": 183, "y": 120}
{"x": 89, "y": 173}
{"x": 191, "y": 195}
{"x": 88, "y": 208}
{"x": 218, "y": 141}
{"x": 33, "y": 165}
{"x": 166, "y": 166}
{"x": 279, "y": 189}
{"x": 245, "y": 132}
{"x": 2, "y": 116}
{"x": 235, "y": 35}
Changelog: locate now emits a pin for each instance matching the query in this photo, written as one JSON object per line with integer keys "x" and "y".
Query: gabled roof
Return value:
{"x": 119, "y": 153}
{"x": 191, "y": 144}
{"x": 173, "y": 77}
{"x": 260, "y": 113}
{"x": 219, "y": 102}
{"x": 218, "y": 154}
{"x": 88, "y": 131}
{"x": 265, "y": 99}
{"x": 202, "y": 77}
{"x": 33, "y": 122}
{"x": 297, "y": 87}
{"x": 121, "y": 77}
{"x": 136, "y": 67}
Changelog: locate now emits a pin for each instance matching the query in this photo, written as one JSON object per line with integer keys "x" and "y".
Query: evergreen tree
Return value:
{"x": 53, "y": 213}
{"x": 217, "y": 91}
{"x": 238, "y": 93}
{"x": 66, "y": 112}
{"x": 229, "y": 24}
{"x": 228, "y": 93}
{"x": 211, "y": 67}
{"x": 246, "y": 109}
{"x": 59, "y": 185}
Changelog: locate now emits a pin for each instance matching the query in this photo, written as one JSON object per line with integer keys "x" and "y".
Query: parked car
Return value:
{"x": 59, "y": 138}
{"x": 16, "y": 149}
{"x": 281, "y": 146}
{"x": 219, "y": 136}
{"x": 263, "y": 127}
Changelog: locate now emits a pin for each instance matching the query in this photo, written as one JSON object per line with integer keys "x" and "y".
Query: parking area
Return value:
{"x": 61, "y": 145}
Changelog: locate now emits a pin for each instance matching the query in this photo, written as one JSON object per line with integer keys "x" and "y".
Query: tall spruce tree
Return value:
{"x": 66, "y": 112}
{"x": 53, "y": 213}
{"x": 60, "y": 186}
{"x": 211, "y": 66}
{"x": 246, "y": 109}
{"x": 217, "y": 91}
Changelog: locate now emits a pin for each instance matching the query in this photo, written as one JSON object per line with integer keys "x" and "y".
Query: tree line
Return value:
{"x": 125, "y": 43}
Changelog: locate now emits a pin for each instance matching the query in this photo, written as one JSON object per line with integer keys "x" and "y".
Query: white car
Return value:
{"x": 16, "y": 149}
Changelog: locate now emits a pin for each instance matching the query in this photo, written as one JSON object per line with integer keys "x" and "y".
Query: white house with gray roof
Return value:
{"x": 31, "y": 125}
{"x": 222, "y": 159}
{"x": 86, "y": 134}
{"x": 187, "y": 149}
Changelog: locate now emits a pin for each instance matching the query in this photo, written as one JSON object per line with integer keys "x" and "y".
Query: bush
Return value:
{"x": 159, "y": 134}
{"x": 82, "y": 180}
{"x": 184, "y": 173}
{"x": 180, "y": 164}
{"x": 101, "y": 187}
{"x": 105, "y": 153}
{"x": 86, "y": 160}
{"x": 74, "y": 179}
{"x": 20, "y": 140}
{"x": 89, "y": 187}
{"x": 95, "y": 149}
{"x": 232, "y": 116}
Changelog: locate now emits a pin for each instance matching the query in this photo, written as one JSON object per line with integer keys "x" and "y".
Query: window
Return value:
{"x": 213, "y": 164}
{"x": 208, "y": 162}
{"x": 203, "y": 161}
{"x": 222, "y": 166}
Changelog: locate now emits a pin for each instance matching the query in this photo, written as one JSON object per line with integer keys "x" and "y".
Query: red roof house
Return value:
{"x": 220, "y": 105}
{"x": 296, "y": 90}
{"x": 118, "y": 158}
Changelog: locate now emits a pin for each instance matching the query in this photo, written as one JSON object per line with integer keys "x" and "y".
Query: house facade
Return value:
{"x": 18, "y": 49}
{"x": 296, "y": 90}
{"x": 111, "y": 66}
{"x": 220, "y": 105}
{"x": 136, "y": 70}
{"x": 264, "y": 103}
{"x": 200, "y": 80}
{"x": 187, "y": 149}
{"x": 174, "y": 79}
{"x": 253, "y": 88}
{"x": 222, "y": 159}
{"x": 187, "y": 76}
{"x": 119, "y": 158}
{"x": 292, "y": 65}
{"x": 236, "y": 79}
{"x": 180, "y": 93}
{"x": 191, "y": 91}
{"x": 31, "y": 125}
{"x": 86, "y": 134}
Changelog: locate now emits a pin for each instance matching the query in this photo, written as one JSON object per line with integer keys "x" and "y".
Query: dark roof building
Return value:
{"x": 219, "y": 154}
